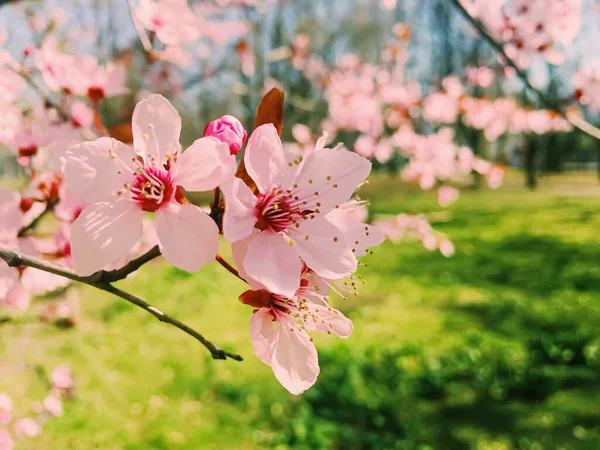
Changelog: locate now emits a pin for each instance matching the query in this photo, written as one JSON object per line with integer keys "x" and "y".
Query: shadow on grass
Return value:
{"x": 533, "y": 264}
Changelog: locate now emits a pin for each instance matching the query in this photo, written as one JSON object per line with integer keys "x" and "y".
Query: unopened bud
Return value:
{"x": 227, "y": 129}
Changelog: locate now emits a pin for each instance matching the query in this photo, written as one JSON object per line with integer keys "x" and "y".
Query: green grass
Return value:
{"x": 524, "y": 285}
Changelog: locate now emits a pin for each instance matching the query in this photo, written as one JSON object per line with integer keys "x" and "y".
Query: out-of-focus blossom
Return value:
{"x": 587, "y": 85}
{"x": 480, "y": 76}
{"x": 172, "y": 20}
{"x": 446, "y": 248}
{"x": 405, "y": 226}
{"x": 529, "y": 27}
{"x": 447, "y": 195}
{"x": 27, "y": 427}
{"x": 6, "y": 442}
{"x": 53, "y": 405}
{"x": 120, "y": 185}
{"x": 82, "y": 115}
{"x": 6, "y": 406}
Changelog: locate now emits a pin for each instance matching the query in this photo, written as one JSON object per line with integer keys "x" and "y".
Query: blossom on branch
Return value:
{"x": 121, "y": 184}
{"x": 284, "y": 221}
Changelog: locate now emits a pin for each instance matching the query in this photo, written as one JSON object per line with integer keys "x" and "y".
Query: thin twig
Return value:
{"x": 229, "y": 267}
{"x": 140, "y": 29}
{"x": 65, "y": 115}
{"x": 16, "y": 259}
{"x": 576, "y": 120}
{"x": 111, "y": 276}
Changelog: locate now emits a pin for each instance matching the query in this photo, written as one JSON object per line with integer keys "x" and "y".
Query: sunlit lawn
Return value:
{"x": 142, "y": 384}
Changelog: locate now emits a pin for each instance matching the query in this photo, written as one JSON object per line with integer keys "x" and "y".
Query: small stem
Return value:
{"x": 217, "y": 353}
{"x": 122, "y": 273}
{"x": 229, "y": 267}
{"x": 16, "y": 259}
{"x": 140, "y": 29}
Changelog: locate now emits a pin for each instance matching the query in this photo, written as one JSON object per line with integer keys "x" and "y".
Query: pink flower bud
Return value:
{"x": 229, "y": 130}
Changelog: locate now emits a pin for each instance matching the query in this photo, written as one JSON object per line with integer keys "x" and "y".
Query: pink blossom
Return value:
{"x": 11, "y": 84}
{"x": 446, "y": 248}
{"x": 69, "y": 207}
{"x": 6, "y": 406}
{"x": 172, "y": 20}
{"x": 27, "y": 427}
{"x": 447, "y": 195}
{"x": 229, "y": 130}
{"x": 175, "y": 54}
{"x": 11, "y": 215}
{"x": 279, "y": 329}
{"x": 96, "y": 81}
{"x": 53, "y": 405}
{"x": 349, "y": 218}
{"x": 289, "y": 212}
{"x": 6, "y": 442}
{"x": 587, "y": 84}
{"x": 62, "y": 378}
{"x": 495, "y": 177}
{"x": 120, "y": 185}
{"x": 82, "y": 115}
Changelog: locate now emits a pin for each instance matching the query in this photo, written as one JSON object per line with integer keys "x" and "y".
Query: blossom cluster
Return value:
{"x": 11, "y": 430}
{"x": 530, "y": 27}
{"x": 293, "y": 229}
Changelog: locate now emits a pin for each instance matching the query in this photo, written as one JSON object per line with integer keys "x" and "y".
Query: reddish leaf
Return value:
{"x": 270, "y": 110}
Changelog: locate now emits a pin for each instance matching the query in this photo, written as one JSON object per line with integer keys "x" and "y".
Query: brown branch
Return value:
{"x": 16, "y": 259}
{"x": 576, "y": 120}
{"x": 229, "y": 267}
{"x": 111, "y": 276}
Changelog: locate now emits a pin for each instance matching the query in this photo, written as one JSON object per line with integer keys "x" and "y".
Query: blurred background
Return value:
{"x": 492, "y": 344}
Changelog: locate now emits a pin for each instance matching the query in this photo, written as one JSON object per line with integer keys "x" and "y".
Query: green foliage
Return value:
{"x": 497, "y": 348}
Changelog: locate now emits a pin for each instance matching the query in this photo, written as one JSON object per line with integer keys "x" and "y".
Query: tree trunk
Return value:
{"x": 530, "y": 164}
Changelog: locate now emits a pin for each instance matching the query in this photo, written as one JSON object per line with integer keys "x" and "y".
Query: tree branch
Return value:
{"x": 16, "y": 259}
{"x": 229, "y": 267}
{"x": 111, "y": 276}
{"x": 574, "y": 119}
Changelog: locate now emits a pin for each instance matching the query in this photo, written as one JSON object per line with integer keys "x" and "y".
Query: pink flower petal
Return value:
{"x": 239, "y": 249}
{"x": 6, "y": 442}
{"x": 274, "y": 263}
{"x": 91, "y": 174}
{"x": 188, "y": 237}
{"x": 334, "y": 174}
{"x": 331, "y": 320}
{"x": 9, "y": 277}
{"x": 240, "y": 215}
{"x": 325, "y": 251}
{"x": 39, "y": 282}
{"x": 11, "y": 216}
{"x": 206, "y": 164}
{"x": 263, "y": 335}
{"x": 156, "y": 128}
{"x": 103, "y": 233}
{"x": 358, "y": 235}
{"x": 264, "y": 158}
{"x": 17, "y": 298}
{"x": 295, "y": 362}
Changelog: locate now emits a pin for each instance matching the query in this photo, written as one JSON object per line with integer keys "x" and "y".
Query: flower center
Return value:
{"x": 152, "y": 188}
{"x": 277, "y": 210}
{"x": 28, "y": 151}
{"x": 95, "y": 93}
